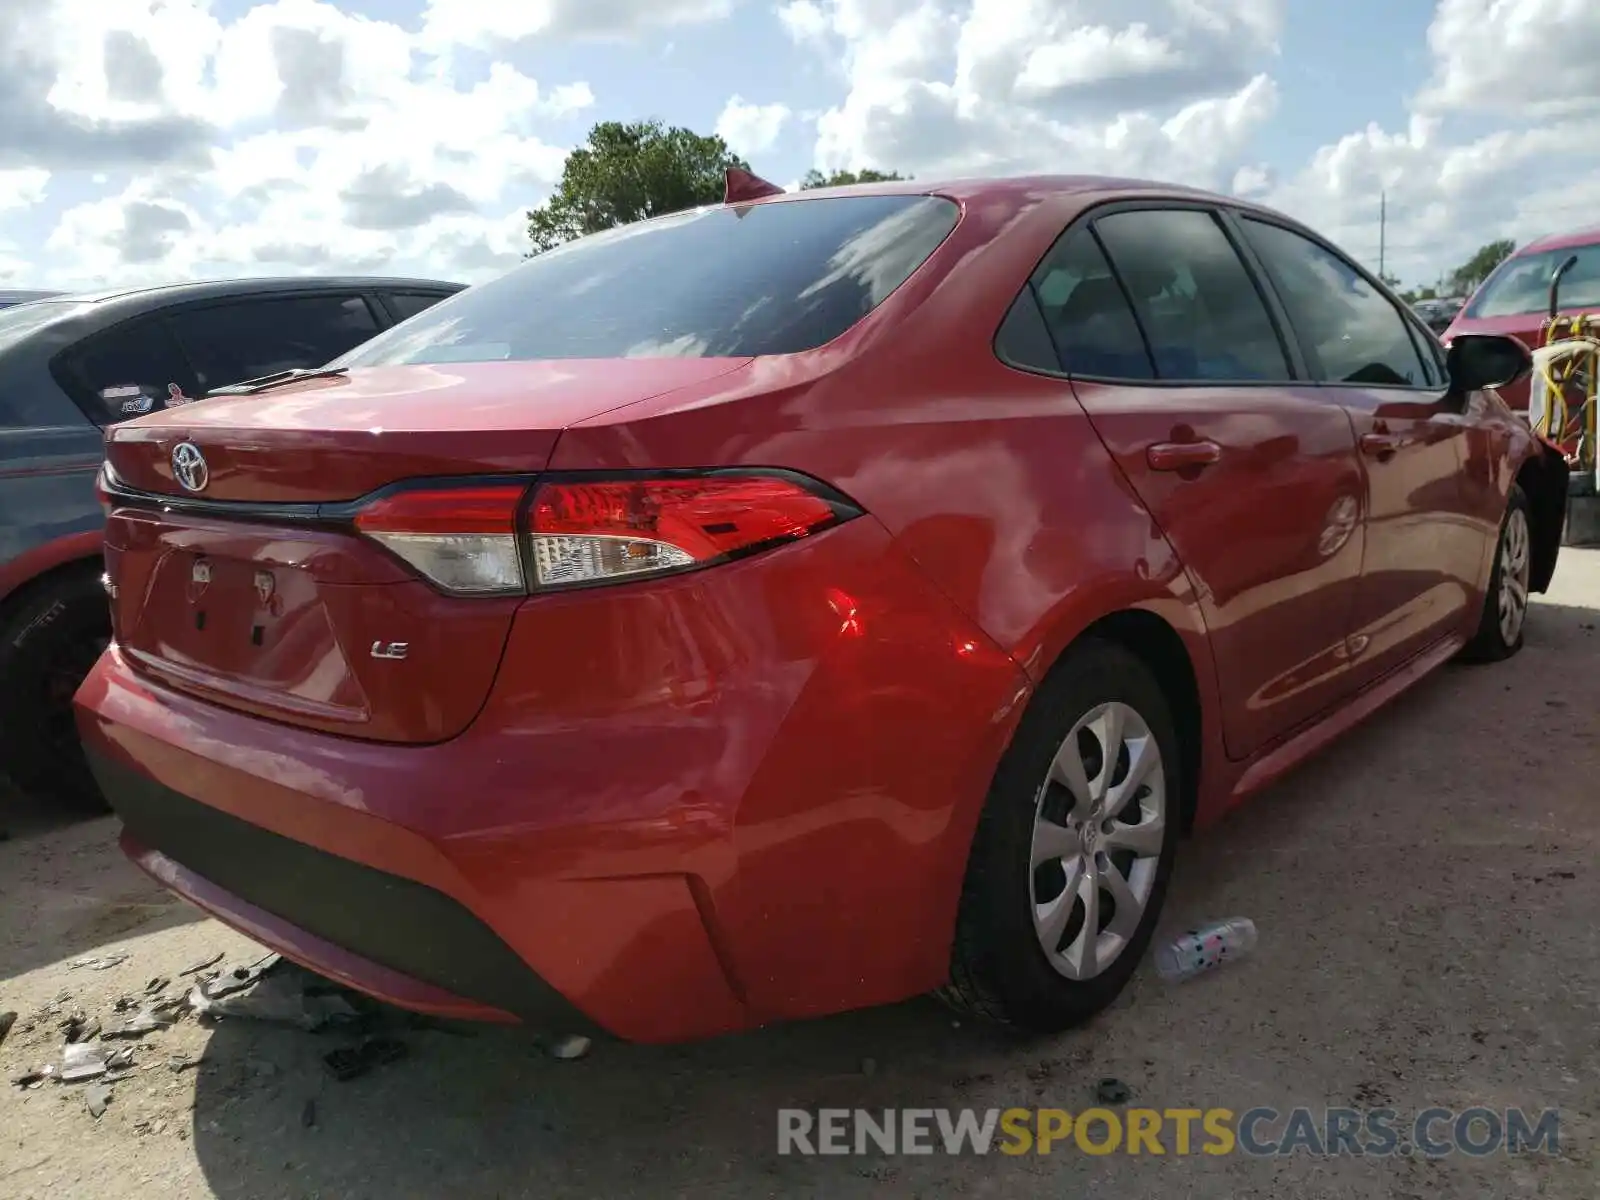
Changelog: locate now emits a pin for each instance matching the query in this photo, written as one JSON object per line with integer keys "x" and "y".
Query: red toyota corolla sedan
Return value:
{"x": 797, "y": 604}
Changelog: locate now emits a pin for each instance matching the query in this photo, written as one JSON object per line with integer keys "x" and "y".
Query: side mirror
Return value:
{"x": 1484, "y": 360}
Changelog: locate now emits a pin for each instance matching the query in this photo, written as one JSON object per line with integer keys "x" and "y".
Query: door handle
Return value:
{"x": 1380, "y": 445}
{"x": 1176, "y": 456}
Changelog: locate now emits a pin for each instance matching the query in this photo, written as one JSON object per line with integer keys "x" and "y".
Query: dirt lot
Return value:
{"x": 1427, "y": 898}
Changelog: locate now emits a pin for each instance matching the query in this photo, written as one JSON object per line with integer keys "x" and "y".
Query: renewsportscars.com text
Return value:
{"x": 1260, "y": 1132}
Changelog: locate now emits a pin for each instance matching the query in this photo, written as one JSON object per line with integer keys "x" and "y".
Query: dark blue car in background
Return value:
{"x": 71, "y": 365}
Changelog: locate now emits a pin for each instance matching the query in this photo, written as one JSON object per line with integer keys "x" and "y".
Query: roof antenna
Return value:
{"x": 743, "y": 186}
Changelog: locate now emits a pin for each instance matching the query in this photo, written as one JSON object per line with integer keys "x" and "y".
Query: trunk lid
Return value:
{"x": 337, "y": 438}
{"x": 248, "y": 593}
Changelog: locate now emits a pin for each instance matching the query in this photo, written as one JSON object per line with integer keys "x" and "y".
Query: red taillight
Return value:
{"x": 465, "y": 537}
{"x": 595, "y": 531}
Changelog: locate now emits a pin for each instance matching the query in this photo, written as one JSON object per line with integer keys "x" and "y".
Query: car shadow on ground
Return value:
{"x": 485, "y": 1112}
{"x": 66, "y": 889}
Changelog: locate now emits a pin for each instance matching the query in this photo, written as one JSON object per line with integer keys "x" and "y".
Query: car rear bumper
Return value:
{"x": 685, "y": 809}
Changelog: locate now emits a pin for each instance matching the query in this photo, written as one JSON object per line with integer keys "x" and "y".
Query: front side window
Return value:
{"x": 126, "y": 372}
{"x": 1351, "y": 332}
{"x": 1520, "y": 286}
{"x": 246, "y": 339}
{"x": 772, "y": 278}
{"x": 1200, "y": 309}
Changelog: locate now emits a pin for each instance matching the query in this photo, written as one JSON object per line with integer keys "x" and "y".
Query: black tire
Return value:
{"x": 50, "y": 637}
{"x": 1490, "y": 643}
{"x": 999, "y": 970}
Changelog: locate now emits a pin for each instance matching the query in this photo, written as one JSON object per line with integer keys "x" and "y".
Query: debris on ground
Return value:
{"x": 1111, "y": 1090}
{"x": 96, "y": 1098}
{"x": 238, "y": 979}
{"x": 352, "y": 1062}
{"x": 7, "y": 1020}
{"x": 573, "y": 1046}
{"x": 35, "y": 1076}
{"x": 120, "y": 1060}
{"x": 103, "y": 963}
{"x": 158, "y": 984}
{"x": 1204, "y": 949}
{"x": 81, "y": 1061}
{"x": 147, "y": 1020}
{"x": 278, "y": 993}
{"x": 80, "y": 1027}
{"x": 179, "y": 1063}
{"x": 204, "y": 964}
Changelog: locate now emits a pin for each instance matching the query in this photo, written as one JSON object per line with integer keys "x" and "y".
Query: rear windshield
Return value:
{"x": 18, "y": 321}
{"x": 1522, "y": 284}
{"x": 712, "y": 282}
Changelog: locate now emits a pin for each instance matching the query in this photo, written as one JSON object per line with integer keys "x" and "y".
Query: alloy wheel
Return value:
{"x": 1099, "y": 827}
{"x": 1514, "y": 567}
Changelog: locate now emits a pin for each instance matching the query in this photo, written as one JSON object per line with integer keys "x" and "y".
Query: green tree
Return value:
{"x": 1476, "y": 269}
{"x": 628, "y": 172}
{"x": 816, "y": 179}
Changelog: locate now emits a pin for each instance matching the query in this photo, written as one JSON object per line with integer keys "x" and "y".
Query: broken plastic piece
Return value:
{"x": 103, "y": 963}
{"x": 81, "y": 1061}
{"x": 96, "y": 1099}
{"x": 80, "y": 1028}
{"x": 120, "y": 1060}
{"x": 741, "y": 186}
{"x": 145, "y": 1021}
{"x": 573, "y": 1046}
{"x": 201, "y": 966}
{"x": 239, "y": 978}
{"x": 35, "y": 1076}
{"x": 352, "y": 1062}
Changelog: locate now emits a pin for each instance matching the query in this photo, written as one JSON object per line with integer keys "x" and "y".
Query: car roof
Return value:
{"x": 23, "y": 295}
{"x": 1012, "y": 187}
{"x": 161, "y": 295}
{"x": 1563, "y": 241}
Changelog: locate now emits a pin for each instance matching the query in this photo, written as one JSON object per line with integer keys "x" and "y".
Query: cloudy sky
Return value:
{"x": 149, "y": 140}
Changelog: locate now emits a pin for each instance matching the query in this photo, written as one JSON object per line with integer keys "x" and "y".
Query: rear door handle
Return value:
{"x": 1176, "y": 456}
{"x": 1380, "y": 445}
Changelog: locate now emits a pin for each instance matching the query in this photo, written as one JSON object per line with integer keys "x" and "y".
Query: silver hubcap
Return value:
{"x": 1513, "y": 576}
{"x": 1097, "y": 834}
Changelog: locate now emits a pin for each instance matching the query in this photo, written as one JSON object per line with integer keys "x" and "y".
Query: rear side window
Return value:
{"x": 1351, "y": 332}
{"x": 406, "y": 305}
{"x": 229, "y": 343}
{"x": 1086, "y": 313}
{"x": 774, "y": 278}
{"x": 1202, "y": 314}
{"x": 125, "y": 372}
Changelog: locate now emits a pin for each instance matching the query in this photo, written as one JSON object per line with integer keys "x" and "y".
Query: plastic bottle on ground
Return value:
{"x": 1200, "y": 950}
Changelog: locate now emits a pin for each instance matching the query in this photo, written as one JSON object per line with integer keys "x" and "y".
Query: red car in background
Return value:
{"x": 797, "y": 604}
{"x": 1515, "y": 299}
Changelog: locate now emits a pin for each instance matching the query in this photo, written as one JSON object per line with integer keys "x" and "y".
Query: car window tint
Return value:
{"x": 1201, "y": 310}
{"x": 1087, "y": 313}
{"x": 1520, "y": 286}
{"x": 723, "y": 281}
{"x": 228, "y": 343}
{"x": 409, "y": 304}
{"x": 126, "y": 372}
{"x": 1351, "y": 332}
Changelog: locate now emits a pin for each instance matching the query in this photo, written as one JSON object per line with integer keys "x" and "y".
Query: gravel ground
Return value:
{"x": 1426, "y": 894}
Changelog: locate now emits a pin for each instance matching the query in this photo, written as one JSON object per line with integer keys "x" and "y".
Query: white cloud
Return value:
{"x": 751, "y": 128}
{"x": 167, "y": 138}
{"x": 486, "y": 25}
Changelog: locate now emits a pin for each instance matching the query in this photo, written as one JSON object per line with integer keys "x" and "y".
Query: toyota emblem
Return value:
{"x": 189, "y": 467}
